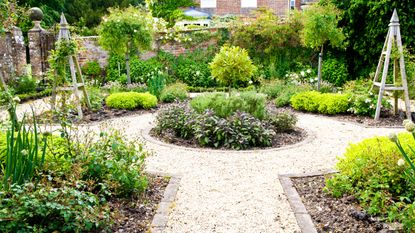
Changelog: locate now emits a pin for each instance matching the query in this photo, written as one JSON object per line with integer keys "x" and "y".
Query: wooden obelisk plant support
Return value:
{"x": 393, "y": 39}
{"x": 75, "y": 70}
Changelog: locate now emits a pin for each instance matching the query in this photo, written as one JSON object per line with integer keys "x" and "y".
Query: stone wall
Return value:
{"x": 12, "y": 54}
{"x": 90, "y": 50}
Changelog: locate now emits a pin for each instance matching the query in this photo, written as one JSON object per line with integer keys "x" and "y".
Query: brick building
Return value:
{"x": 243, "y": 7}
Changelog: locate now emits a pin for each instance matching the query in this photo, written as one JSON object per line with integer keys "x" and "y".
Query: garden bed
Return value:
{"x": 331, "y": 214}
{"x": 279, "y": 140}
{"x": 135, "y": 215}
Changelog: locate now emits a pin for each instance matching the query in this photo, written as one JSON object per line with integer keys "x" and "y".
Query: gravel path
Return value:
{"x": 229, "y": 191}
{"x": 225, "y": 191}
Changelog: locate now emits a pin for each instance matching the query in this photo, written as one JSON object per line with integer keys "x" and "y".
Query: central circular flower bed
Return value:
{"x": 238, "y": 122}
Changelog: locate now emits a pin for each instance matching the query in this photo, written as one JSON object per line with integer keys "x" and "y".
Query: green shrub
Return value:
{"x": 370, "y": 170}
{"x": 116, "y": 163}
{"x": 92, "y": 70}
{"x": 283, "y": 122}
{"x": 232, "y": 67}
{"x": 131, "y": 100}
{"x": 249, "y": 102}
{"x": 239, "y": 131}
{"x": 282, "y": 91}
{"x": 156, "y": 82}
{"x": 178, "y": 119}
{"x": 174, "y": 92}
{"x": 193, "y": 72}
{"x": 274, "y": 88}
{"x": 47, "y": 209}
{"x": 326, "y": 103}
{"x": 24, "y": 84}
{"x": 335, "y": 71}
{"x": 306, "y": 101}
{"x": 96, "y": 98}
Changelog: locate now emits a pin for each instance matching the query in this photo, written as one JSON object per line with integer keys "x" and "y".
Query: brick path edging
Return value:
{"x": 302, "y": 216}
{"x": 159, "y": 223}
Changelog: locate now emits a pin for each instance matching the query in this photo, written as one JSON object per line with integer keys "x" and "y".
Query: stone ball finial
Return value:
{"x": 35, "y": 14}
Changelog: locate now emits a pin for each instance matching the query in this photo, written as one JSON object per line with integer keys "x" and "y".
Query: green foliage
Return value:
{"x": 282, "y": 91}
{"x": 327, "y": 103}
{"x": 33, "y": 95}
{"x": 156, "y": 82}
{"x": 193, "y": 69}
{"x": 283, "y": 122}
{"x": 24, "y": 156}
{"x": 47, "y": 209}
{"x": 371, "y": 171}
{"x": 131, "y": 100}
{"x": 92, "y": 70}
{"x": 177, "y": 91}
{"x": 232, "y": 66}
{"x": 169, "y": 10}
{"x": 249, "y": 102}
{"x": 366, "y": 24}
{"x": 320, "y": 26}
{"x": 23, "y": 85}
{"x": 140, "y": 69}
{"x": 239, "y": 131}
{"x": 335, "y": 71}
{"x": 96, "y": 97}
{"x": 123, "y": 29}
{"x": 274, "y": 45}
{"x": 116, "y": 163}
{"x": 178, "y": 119}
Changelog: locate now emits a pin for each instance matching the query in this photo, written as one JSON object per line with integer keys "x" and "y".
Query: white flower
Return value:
{"x": 197, "y": 73}
{"x": 308, "y": 71}
{"x": 367, "y": 101}
{"x": 190, "y": 39}
{"x": 16, "y": 99}
{"x": 250, "y": 82}
{"x": 135, "y": 30}
{"x": 401, "y": 162}
{"x": 302, "y": 73}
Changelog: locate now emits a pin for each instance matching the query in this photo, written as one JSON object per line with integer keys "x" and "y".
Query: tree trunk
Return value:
{"x": 320, "y": 65}
{"x": 127, "y": 63}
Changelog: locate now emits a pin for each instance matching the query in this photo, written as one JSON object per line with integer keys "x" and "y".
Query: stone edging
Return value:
{"x": 303, "y": 218}
{"x": 159, "y": 223}
{"x": 145, "y": 133}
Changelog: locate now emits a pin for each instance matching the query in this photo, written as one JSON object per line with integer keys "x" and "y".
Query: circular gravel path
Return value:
{"x": 231, "y": 191}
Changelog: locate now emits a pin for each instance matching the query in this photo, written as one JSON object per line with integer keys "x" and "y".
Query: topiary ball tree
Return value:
{"x": 123, "y": 30}
{"x": 232, "y": 66}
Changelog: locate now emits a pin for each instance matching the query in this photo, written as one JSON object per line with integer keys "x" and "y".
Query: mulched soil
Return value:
{"x": 335, "y": 214}
{"x": 135, "y": 215}
{"x": 280, "y": 139}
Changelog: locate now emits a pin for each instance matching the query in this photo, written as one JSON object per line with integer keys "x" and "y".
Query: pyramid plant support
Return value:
{"x": 75, "y": 69}
{"x": 393, "y": 39}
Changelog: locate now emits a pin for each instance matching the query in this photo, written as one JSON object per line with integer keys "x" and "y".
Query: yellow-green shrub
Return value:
{"x": 327, "y": 103}
{"x": 131, "y": 100}
{"x": 177, "y": 91}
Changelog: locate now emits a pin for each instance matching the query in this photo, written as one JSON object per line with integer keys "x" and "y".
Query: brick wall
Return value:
{"x": 224, "y": 7}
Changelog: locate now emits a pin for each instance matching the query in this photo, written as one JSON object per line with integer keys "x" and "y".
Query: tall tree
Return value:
{"x": 123, "y": 30}
{"x": 321, "y": 28}
{"x": 169, "y": 10}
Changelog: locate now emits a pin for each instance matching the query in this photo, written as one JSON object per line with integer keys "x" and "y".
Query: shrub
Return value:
{"x": 274, "y": 88}
{"x": 96, "y": 98}
{"x": 131, "y": 100}
{"x": 370, "y": 170}
{"x": 24, "y": 84}
{"x": 365, "y": 104}
{"x": 48, "y": 209}
{"x": 193, "y": 72}
{"x": 232, "y": 66}
{"x": 283, "y": 122}
{"x": 282, "y": 91}
{"x": 117, "y": 164}
{"x": 179, "y": 119}
{"x": 174, "y": 92}
{"x": 239, "y": 131}
{"x": 335, "y": 71}
{"x": 156, "y": 82}
{"x": 249, "y": 102}
{"x": 327, "y": 103}
{"x": 92, "y": 70}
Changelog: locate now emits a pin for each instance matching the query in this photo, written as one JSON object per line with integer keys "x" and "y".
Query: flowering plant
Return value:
{"x": 303, "y": 77}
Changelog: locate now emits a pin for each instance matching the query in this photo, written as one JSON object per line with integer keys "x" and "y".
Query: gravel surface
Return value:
{"x": 239, "y": 191}
{"x": 231, "y": 191}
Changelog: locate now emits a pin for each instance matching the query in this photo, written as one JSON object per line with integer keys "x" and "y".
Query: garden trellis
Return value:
{"x": 75, "y": 69}
{"x": 393, "y": 39}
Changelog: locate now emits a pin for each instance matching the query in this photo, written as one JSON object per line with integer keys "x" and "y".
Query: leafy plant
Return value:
{"x": 92, "y": 70}
{"x": 177, "y": 91}
{"x": 326, "y": 103}
{"x": 96, "y": 98}
{"x": 249, "y": 102}
{"x": 156, "y": 82}
{"x": 23, "y": 159}
{"x": 365, "y": 104}
{"x": 232, "y": 67}
{"x": 335, "y": 71}
{"x": 178, "y": 119}
{"x": 24, "y": 84}
{"x": 122, "y": 31}
{"x": 131, "y": 100}
{"x": 283, "y": 122}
